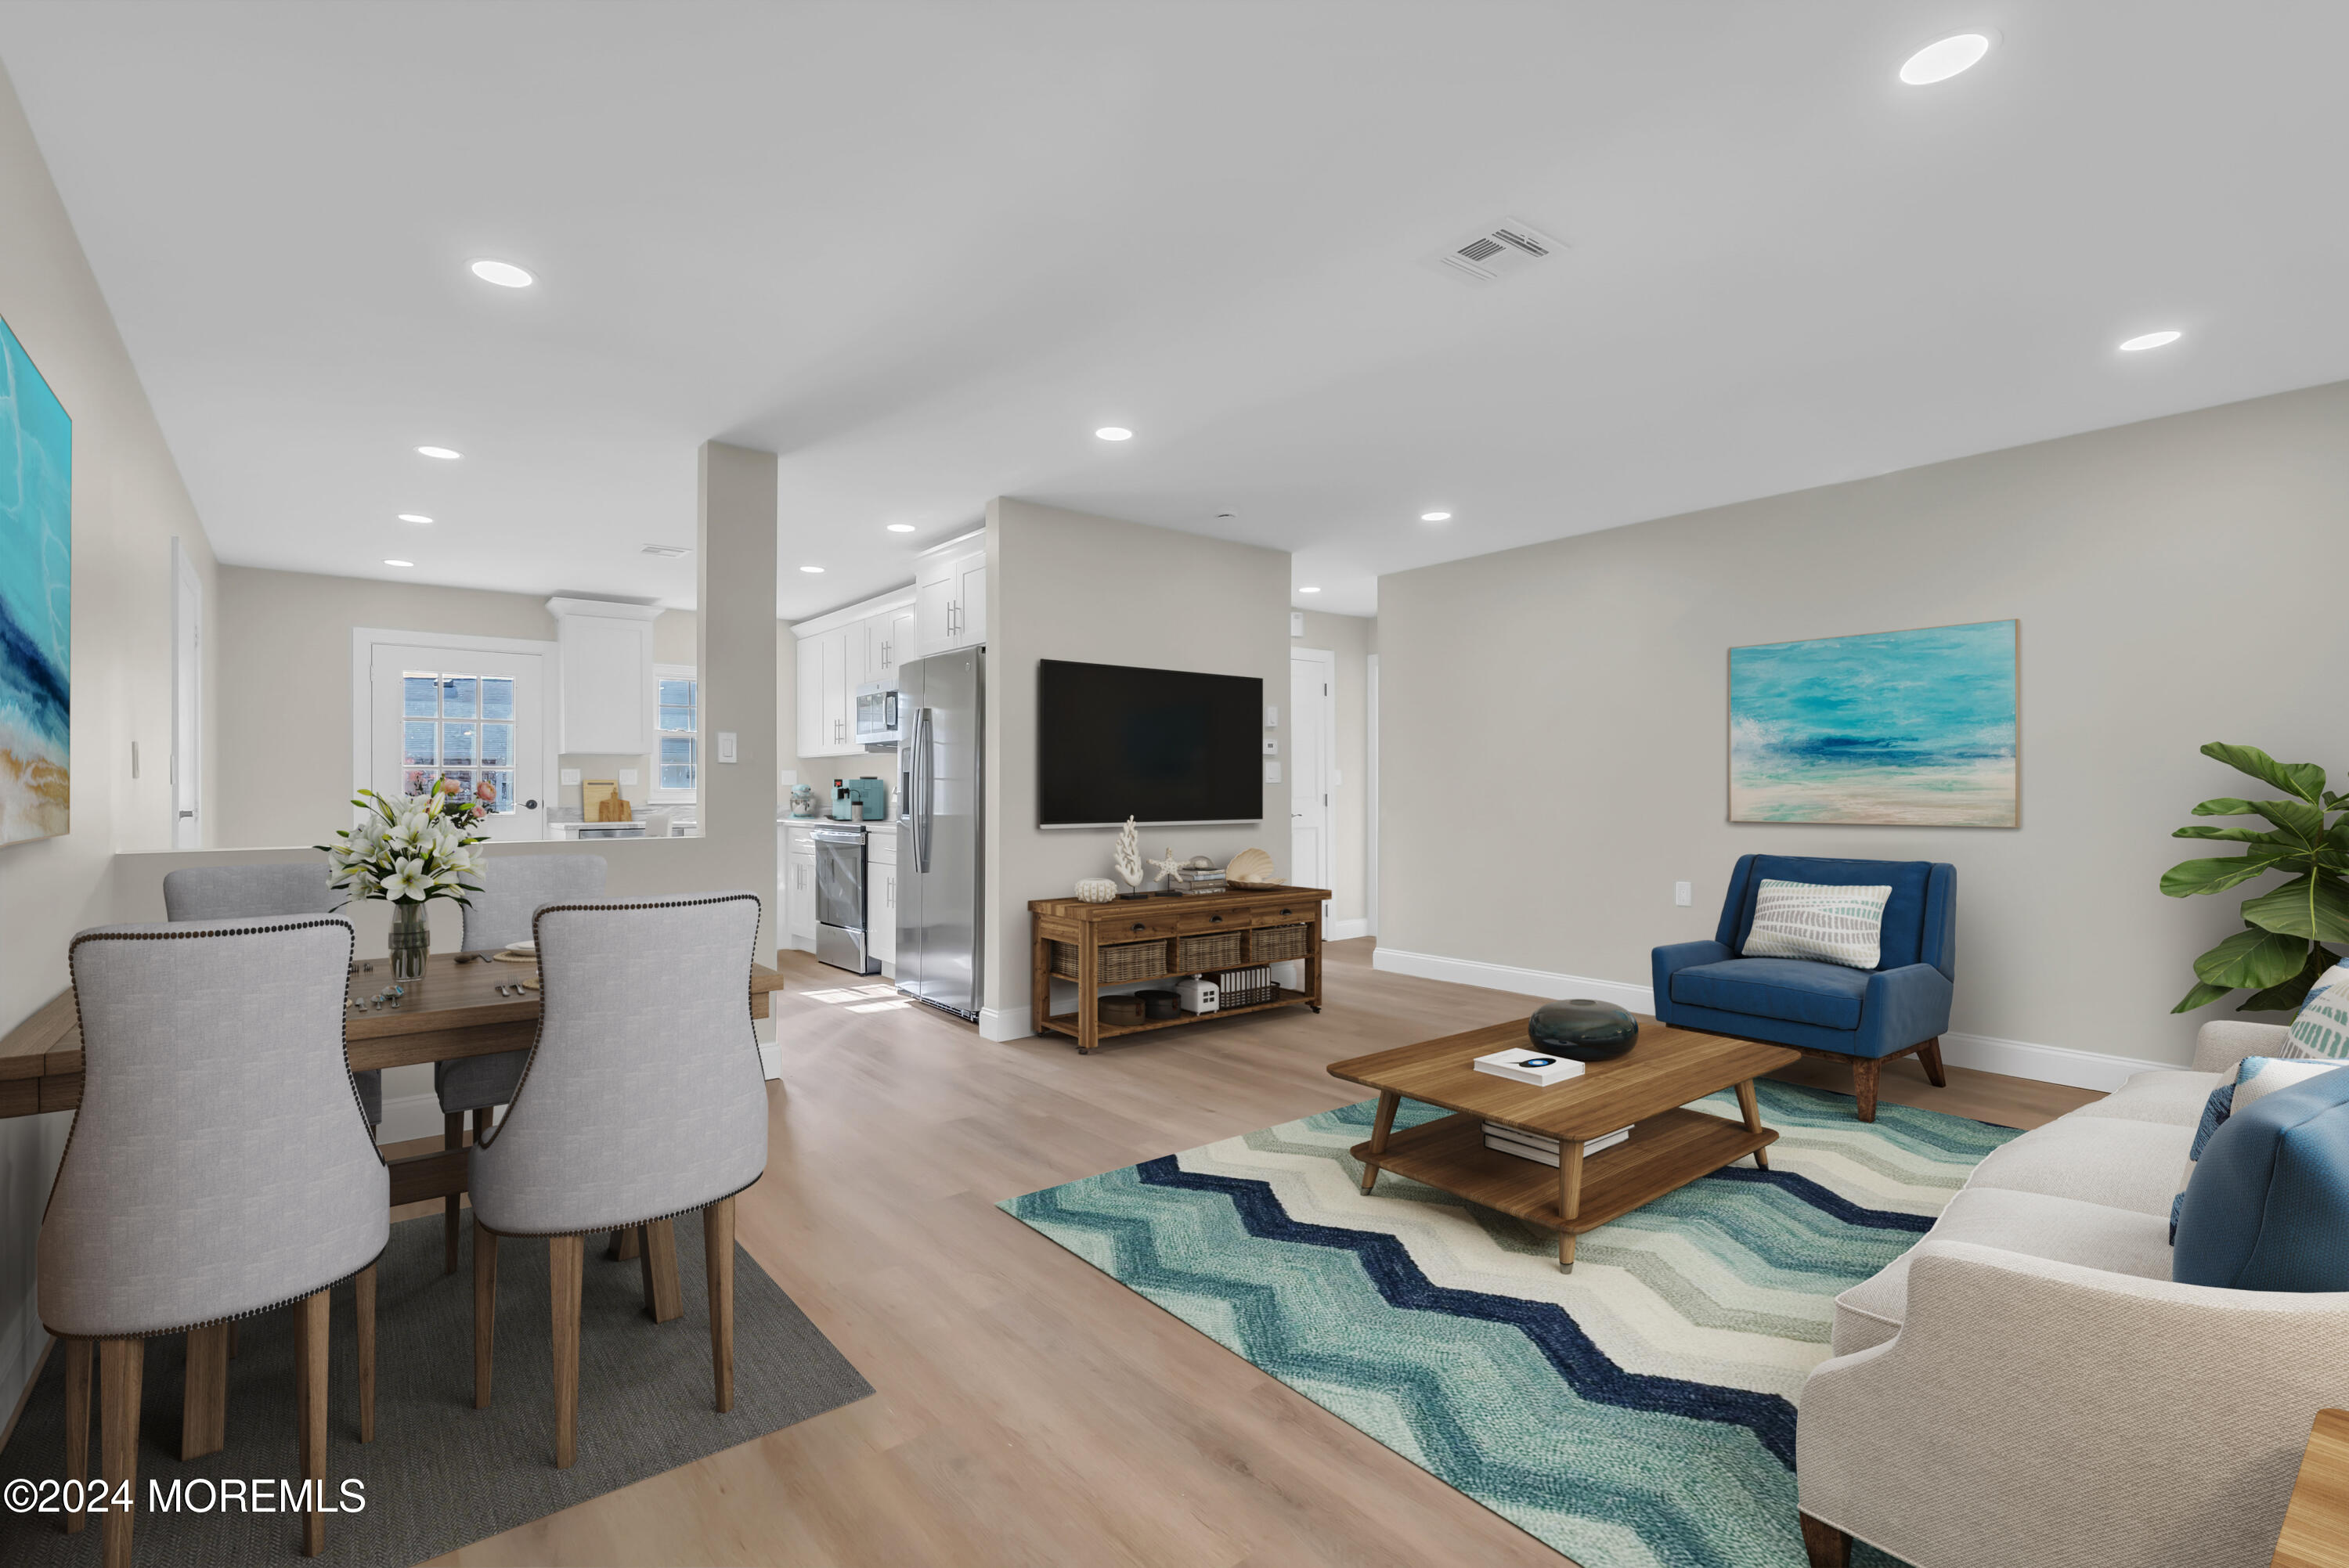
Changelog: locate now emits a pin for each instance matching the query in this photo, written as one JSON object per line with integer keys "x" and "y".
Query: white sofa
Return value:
{"x": 2026, "y": 1387}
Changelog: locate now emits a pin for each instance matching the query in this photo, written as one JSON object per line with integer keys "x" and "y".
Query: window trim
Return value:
{"x": 654, "y": 793}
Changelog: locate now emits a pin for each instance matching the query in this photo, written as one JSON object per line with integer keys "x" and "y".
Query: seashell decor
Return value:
{"x": 1249, "y": 866}
{"x": 1097, "y": 890}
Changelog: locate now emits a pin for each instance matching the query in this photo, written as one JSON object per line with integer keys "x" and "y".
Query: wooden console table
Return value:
{"x": 1182, "y": 928}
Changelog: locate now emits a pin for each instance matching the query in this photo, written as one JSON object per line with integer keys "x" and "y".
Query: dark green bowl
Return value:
{"x": 1583, "y": 1030}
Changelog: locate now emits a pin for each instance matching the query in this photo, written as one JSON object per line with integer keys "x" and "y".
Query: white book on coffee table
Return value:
{"x": 1539, "y": 1069}
{"x": 1533, "y": 1146}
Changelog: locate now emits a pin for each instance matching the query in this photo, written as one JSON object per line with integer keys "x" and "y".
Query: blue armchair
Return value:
{"x": 1825, "y": 1009}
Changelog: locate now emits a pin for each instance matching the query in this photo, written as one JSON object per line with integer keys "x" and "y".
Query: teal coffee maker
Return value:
{"x": 847, "y": 794}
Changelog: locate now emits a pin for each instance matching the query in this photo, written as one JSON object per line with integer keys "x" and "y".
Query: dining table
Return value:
{"x": 465, "y": 1005}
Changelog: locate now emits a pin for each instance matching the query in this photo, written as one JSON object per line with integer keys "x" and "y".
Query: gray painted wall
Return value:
{"x": 2177, "y": 582}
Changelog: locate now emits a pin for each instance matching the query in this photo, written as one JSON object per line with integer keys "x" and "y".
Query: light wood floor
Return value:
{"x": 1029, "y": 1409}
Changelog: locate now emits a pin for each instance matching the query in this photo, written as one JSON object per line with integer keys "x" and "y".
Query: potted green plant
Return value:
{"x": 409, "y": 852}
{"x": 2281, "y": 950}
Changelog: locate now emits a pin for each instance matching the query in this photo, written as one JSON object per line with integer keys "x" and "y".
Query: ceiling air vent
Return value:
{"x": 667, "y": 552}
{"x": 1500, "y": 250}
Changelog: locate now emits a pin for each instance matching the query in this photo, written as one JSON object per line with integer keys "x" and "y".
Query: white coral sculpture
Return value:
{"x": 1127, "y": 858}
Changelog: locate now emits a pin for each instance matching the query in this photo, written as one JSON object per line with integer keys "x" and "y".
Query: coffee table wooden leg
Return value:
{"x": 1752, "y": 1109}
{"x": 1569, "y": 1198}
{"x": 1388, "y": 1099}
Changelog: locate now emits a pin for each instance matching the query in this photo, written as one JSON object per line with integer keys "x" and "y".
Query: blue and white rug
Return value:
{"x": 1637, "y": 1412}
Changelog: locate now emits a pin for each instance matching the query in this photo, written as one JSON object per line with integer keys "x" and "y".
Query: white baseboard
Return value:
{"x": 1344, "y": 930}
{"x": 409, "y": 1117}
{"x": 1006, "y": 1023}
{"x": 1982, "y": 1053}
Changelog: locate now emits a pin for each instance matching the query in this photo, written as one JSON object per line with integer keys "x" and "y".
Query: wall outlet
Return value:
{"x": 726, "y": 750}
{"x": 627, "y": 776}
{"x": 790, "y": 777}
{"x": 1682, "y": 894}
{"x": 1272, "y": 773}
{"x": 1271, "y": 747}
{"x": 571, "y": 776}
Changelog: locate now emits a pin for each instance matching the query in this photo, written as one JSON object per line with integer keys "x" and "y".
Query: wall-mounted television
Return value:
{"x": 1158, "y": 746}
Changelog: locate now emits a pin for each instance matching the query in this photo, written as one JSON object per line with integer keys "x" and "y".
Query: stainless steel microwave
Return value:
{"x": 876, "y": 713}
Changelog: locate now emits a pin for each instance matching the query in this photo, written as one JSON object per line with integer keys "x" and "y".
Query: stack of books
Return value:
{"x": 1533, "y": 1146}
{"x": 1245, "y": 987}
{"x": 1202, "y": 880}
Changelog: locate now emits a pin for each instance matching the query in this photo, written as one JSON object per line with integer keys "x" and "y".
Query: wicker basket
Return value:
{"x": 1276, "y": 944}
{"x": 1196, "y": 955}
{"x": 1126, "y": 961}
{"x": 1245, "y": 989}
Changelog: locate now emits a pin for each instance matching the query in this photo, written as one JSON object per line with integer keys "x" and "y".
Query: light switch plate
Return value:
{"x": 1271, "y": 747}
{"x": 1271, "y": 717}
{"x": 790, "y": 777}
{"x": 1272, "y": 773}
{"x": 1297, "y": 622}
{"x": 571, "y": 776}
{"x": 726, "y": 746}
{"x": 1681, "y": 894}
{"x": 627, "y": 776}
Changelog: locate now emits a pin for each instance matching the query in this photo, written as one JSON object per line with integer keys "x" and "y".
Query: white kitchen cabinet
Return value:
{"x": 838, "y": 653}
{"x": 799, "y": 891}
{"x": 605, "y": 655}
{"x": 950, "y": 599}
{"x": 881, "y": 893}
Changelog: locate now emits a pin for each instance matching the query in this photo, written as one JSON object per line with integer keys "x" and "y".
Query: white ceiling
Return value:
{"x": 922, "y": 251}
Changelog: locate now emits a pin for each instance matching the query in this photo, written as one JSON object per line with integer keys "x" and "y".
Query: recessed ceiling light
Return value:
{"x": 1436, "y": 517}
{"x": 505, "y": 275}
{"x": 413, "y": 517}
{"x": 816, "y": 569}
{"x": 1114, "y": 433}
{"x": 1940, "y": 62}
{"x": 2150, "y": 340}
{"x": 901, "y": 528}
{"x": 1309, "y": 590}
{"x": 443, "y": 453}
{"x": 388, "y": 560}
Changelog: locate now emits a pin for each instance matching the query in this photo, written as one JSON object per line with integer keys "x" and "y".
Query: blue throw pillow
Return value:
{"x": 2269, "y": 1205}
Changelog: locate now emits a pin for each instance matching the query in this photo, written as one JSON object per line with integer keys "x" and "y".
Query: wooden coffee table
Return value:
{"x": 1645, "y": 1089}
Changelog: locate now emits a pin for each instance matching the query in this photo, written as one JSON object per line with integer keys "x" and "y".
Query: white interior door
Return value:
{"x": 186, "y": 701}
{"x": 464, "y": 714}
{"x": 1310, "y": 674}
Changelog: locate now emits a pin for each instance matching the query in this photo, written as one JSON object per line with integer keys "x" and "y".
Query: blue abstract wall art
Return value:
{"x": 1910, "y": 728}
{"x": 36, "y": 602}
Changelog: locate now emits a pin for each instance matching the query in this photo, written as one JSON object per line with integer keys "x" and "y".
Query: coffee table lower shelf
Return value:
{"x": 1663, "y": 1154}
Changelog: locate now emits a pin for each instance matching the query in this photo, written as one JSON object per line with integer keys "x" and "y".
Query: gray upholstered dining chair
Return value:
{"x": 219, "y": 1167}
{"x": 644, "y": 1099}
{"x": 244, "y": 893}
{"x": 514, "y": 889}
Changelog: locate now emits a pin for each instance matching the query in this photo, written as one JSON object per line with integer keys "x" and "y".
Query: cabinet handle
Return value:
{"x": 1214, "y": 920}
{"x": 1139, "y": 926}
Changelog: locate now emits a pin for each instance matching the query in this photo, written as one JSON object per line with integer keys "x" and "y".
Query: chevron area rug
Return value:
{"x": 1637, "y": 1413}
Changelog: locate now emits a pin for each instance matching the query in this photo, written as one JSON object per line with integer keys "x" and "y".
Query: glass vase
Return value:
{"x": 410, "y": 940}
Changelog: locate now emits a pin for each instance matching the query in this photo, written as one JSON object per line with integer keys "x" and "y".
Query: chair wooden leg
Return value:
{"x": 364, "y": 1287}
{"x": 231, "y": 1338}
{"x": 452, "y": 1135}
{"x": 1930, "y": 1053}
{"x": 77, "y": 1356}
{"x": 204, "y": 1402}
{"x": 664, "y": 1297}
{"x": 566, "y": 1255}
{"x": 718, "y": 1241}
{"x": 1864, "y": 1072}
{"x": 626, "y": 1244}
{"x": 1828, "y": 1546}
{"x": 310, "y": 1353}
{"x": 121, "y": 1364}
{"x": 485, "y": 1309}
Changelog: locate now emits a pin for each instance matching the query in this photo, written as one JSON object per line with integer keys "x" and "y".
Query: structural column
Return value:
{"x": 736, "y": 663}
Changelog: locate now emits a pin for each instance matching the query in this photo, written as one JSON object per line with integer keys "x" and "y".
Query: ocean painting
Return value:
{"x": 1910, "y": 728}
{"x": 35, "y": 601}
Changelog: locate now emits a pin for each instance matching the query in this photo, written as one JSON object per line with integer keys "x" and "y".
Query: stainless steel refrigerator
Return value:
{"x": 942, "y": 795}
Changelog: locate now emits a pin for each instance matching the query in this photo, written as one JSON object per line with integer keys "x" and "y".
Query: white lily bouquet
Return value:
{"x": 408, "y": 853}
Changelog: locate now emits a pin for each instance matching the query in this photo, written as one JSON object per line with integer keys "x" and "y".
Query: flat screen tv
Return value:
{"x": 1158, "y": 746}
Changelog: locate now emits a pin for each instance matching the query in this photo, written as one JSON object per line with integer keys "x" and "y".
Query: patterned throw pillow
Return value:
{"x": 2255, "y": 1078}
{"x": 2323, "y": 1028}
{"x": 1816, "y": 920}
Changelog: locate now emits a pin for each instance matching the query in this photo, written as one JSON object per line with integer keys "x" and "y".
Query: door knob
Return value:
{"x": 530, "y": 805}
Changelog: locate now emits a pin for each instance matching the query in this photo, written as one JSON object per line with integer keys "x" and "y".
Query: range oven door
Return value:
{"x": 840, "y": 938}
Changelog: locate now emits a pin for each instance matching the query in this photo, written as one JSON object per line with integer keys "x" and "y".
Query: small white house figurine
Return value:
{"x": 1127, "y": 858}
